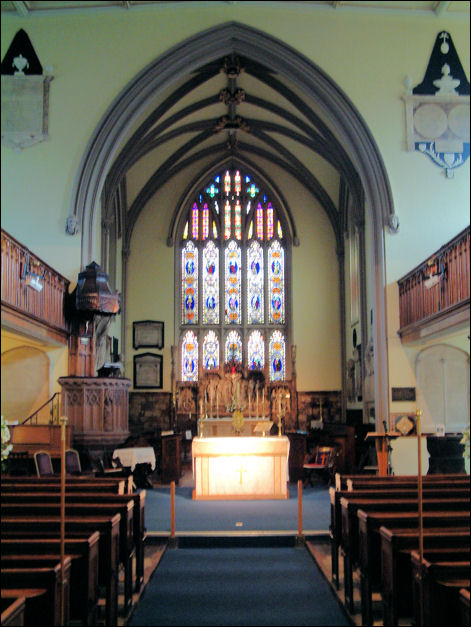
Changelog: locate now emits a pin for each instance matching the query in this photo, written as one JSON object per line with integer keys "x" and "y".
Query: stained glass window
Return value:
{"x": 237, "y": 182}
{"x": 237, "y": 221}
{"x": 233, "y": 278}
{"x": 260, "y": 221}
{"x": 270, "y": 225}
{"x": 256, "y": 351}
{"x": 210, "y": 351}
{"x": 276, "y": 283}
{"x": 255, "y": 283}
{"x": 205, "y": 229}
{"x": 232, "y": 284}
{"x": 190, "y": 284}
{"x": 227, "y": 183}
{"x": 194, "y": 222}
{"x": 233, "y": 350}
{"x": 210, "y": 279}
{"x": 227, "y": 220}
{"x": 189, "y": 357}
{"x": 212, "y": 190}
{"x": 277, "y": 356}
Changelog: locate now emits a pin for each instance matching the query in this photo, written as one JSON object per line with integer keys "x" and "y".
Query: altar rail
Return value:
{"x": 45, "y": 307}
{"x": 448, "y": 295}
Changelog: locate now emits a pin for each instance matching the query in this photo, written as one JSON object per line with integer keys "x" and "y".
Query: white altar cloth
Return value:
{"x": 129, "y": 457}
{"x": 240, "y": 468}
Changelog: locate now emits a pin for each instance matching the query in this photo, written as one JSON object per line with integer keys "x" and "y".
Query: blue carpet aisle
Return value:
{"x": 270, "y": 515}
{"x": 238, "y": 586}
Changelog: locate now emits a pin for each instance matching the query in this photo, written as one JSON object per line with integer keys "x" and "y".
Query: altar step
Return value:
{"x": 236, "y": 539}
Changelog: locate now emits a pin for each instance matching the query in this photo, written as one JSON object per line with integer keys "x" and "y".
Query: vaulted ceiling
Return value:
{"x": 234, "y": 112}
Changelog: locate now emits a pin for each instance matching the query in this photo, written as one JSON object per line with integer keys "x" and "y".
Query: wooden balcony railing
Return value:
{"x": 44, "y": 307}
{"x": 438, "y": 288}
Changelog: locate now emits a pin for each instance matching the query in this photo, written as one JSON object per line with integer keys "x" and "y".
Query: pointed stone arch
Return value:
{"x": 314, "y": 83}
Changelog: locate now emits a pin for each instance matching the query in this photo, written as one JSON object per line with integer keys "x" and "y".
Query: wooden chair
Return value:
{"x": 43, "y": 463}
{"x": 321, "y": 464}
{"x": 72, "y": 462}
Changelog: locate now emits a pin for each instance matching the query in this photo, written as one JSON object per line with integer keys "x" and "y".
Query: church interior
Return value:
{"x": 235, "y": 313}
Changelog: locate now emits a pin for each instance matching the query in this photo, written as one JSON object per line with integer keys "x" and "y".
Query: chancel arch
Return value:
{"x": 324, "y": 122}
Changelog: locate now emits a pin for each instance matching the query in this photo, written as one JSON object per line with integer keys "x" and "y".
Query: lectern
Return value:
{"x": 381, "y": 443}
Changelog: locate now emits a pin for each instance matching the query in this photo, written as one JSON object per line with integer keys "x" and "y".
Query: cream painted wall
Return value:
{"x": 315, "y": 305}
{"x": 150, "y": 284}
{"x": 91, "y": 66}
{"x": 402, "y": 357}
{"x": 315, "y": 293}
{"x": 57, "y": 359}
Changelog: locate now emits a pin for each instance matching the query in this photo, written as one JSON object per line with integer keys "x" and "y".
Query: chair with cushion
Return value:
{"x": 43, "y": 463}
{"x": 72, "y": 462}
{"x": 322, "y": 463}
{"x": 105, "y": 471}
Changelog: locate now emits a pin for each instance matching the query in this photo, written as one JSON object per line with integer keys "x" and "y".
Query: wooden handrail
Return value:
{"x": 44, "y": 307}
{"x": 438, "y": 286}
{"x": 54, "y": 419}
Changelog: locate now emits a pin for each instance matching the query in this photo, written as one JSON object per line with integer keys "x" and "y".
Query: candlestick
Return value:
{"x": 257, "y": 402}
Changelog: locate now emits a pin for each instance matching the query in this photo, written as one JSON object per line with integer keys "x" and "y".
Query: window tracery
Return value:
{"x": 233, "y": 280}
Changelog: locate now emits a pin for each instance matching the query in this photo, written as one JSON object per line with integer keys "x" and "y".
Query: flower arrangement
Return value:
{"x": 6, "y": 446}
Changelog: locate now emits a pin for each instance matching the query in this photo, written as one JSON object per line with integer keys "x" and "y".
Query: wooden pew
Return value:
{"x": 363, "y": 481}
{"x": 396, "y": 577}
{"x": 349, "y": 539}
{"x": 26, "y": 562}
{"x": 126, "y": 532}
{"x": 48, "y": 577}
{"x": 69, "y": 488}
{"x": 370, "y": 546}
{"x": 138, "y": 499}
{"x": 122, "y": 485}
{"x": 33, "y": 602}
{"x": 464, "y": 607}
{"x": 392, "y": 492}
{"x": 442, "y": 577}
{"x": 84, "y": 572}
{"x": 13, "y": 610}
{"x": 107, "y": 526}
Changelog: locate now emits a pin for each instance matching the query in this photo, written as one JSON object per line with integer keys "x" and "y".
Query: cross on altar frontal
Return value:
{"x": 227, "y": 468}
{"x": 241, "y": 470}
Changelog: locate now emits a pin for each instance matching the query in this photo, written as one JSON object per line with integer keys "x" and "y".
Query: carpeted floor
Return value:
{"x": 236, "y": 562}
{"x": 238, "y": 586}
{"x": 229, "y": 516}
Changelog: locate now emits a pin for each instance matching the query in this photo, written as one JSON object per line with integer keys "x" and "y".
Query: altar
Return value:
{"x": 240, "y": 468}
